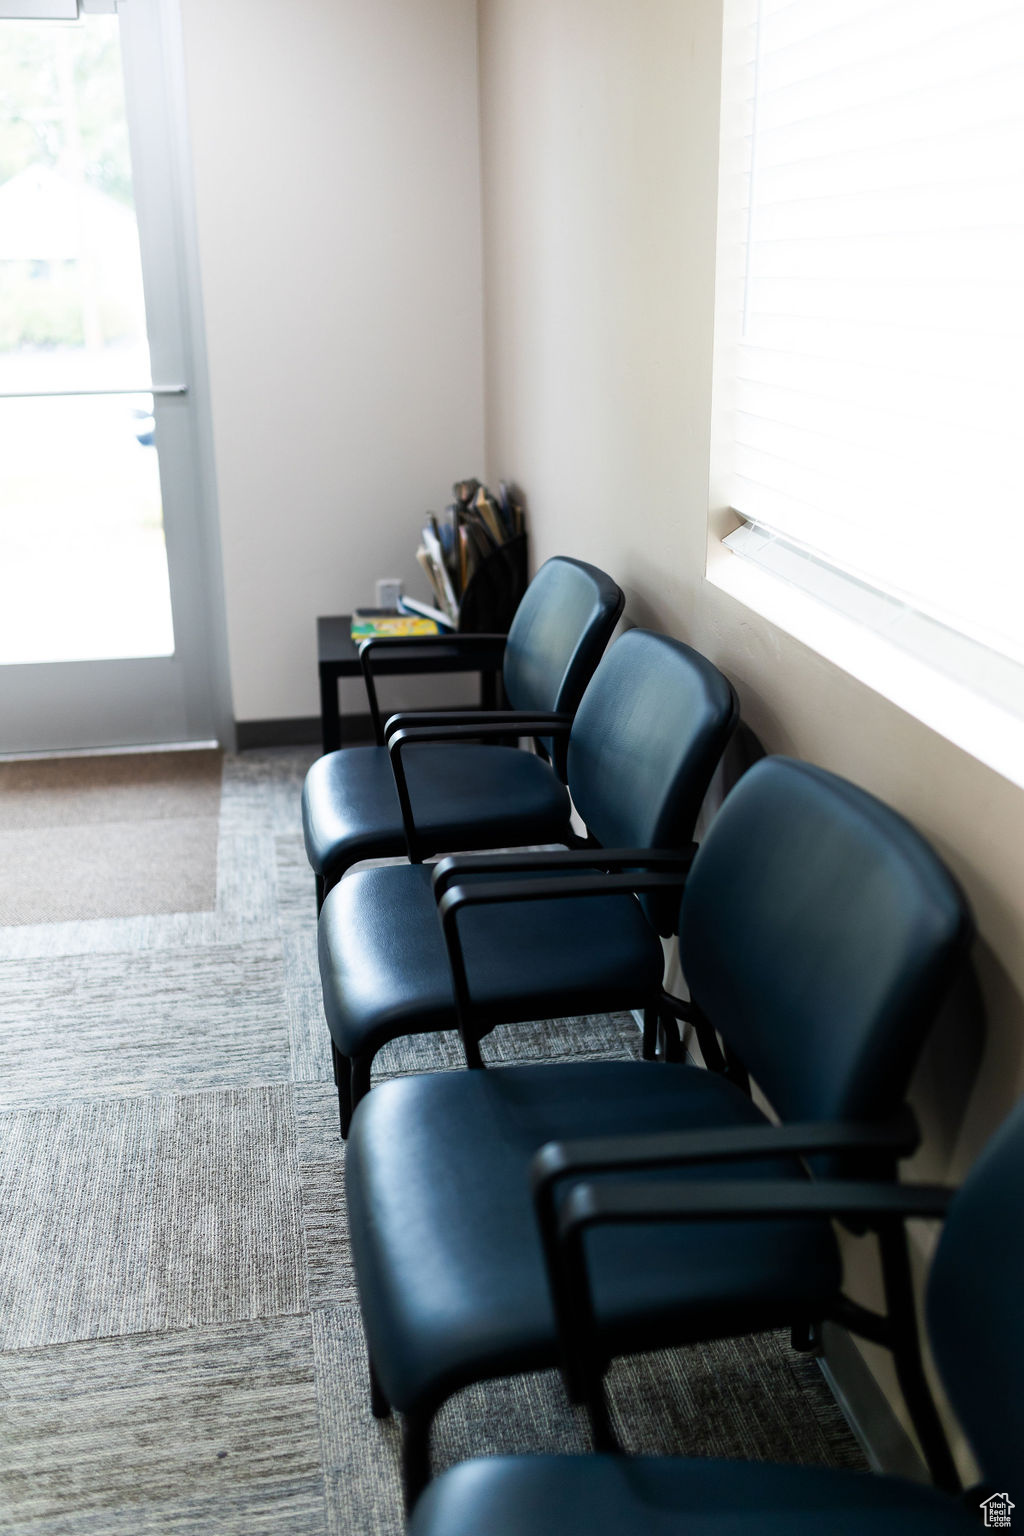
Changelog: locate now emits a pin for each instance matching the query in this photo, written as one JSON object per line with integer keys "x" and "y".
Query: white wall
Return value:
{"x": 600, "y": 127}
{"x": 335, "y": 150}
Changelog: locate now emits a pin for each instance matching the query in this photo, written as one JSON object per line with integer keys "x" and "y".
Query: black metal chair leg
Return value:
{"x": 710, "y": 1049}
{"x": 736, "y": 1072}
{"x": 671, "y": 1039}
{"x": 806, "y": 1337}
{"x": 676, "y": 1015}
{"x": 343, "y": 1079}
{"x": 649, "y": 1049}
{"x": 471, "y": 1051}
{"x": 604, "y": 1437}
{"x": 415, "y": 1455}
{"x": 360, "y": 1078}
{"x": 379, "y": 1405}
{"x": 907, "y": 1356}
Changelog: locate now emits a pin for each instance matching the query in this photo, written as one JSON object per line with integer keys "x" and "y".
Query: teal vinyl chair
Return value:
{"x": 642, "y": 749}
{"x": 976, "y": 1327}
{"x": 819, "y": 936}
{"x": 456, "y": 794}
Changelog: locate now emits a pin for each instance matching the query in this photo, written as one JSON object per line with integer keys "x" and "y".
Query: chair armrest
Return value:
{"x": 898, "y": 1136}
{"x": 448, "y": 722}
{"x": 579, "y": 1160}
{"x": 874, "y": 1205}
{"x": 491, "y": 723}
{"x": 588, "y": 881}
{"x": 499, "y": 722}
{"x": 434, "y": 717}
{"x": 424, "y": 644}
{"x": 591, "y": 860}
{"x": 630, "y": 1203}
{"x": 477, "y": 642}
{"x": 881, "y": 1205}
{"x": 501, "y": 892}
{"x": 480, "y": 641}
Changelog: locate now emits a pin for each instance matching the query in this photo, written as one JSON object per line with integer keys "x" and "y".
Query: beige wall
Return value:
{"x": 335, "y": 153}
{"x": 599, "y": 131}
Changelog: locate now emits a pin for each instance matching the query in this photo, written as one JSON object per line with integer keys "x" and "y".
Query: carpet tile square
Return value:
{"x": 165, "y": 1211}
{"x": 329, "y": 1268}
{"x": 296, "y": 892}
{"x": 122, "y": 1023}
{"x": 516, "y": 1415}
{"x": 202, "y": 1432}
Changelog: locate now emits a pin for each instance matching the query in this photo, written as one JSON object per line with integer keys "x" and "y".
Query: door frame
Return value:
{"x": 186, "y": 697}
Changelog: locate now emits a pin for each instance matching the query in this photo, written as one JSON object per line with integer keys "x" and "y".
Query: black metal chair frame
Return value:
{"x": 352, "y": 1074}
{"x": 590, "y": 870}
{"x": 878, "y": 1207}
{"x": 871, "y": 1152}
{"x": 488, "y": 646}
{"x": 453, "y": 727}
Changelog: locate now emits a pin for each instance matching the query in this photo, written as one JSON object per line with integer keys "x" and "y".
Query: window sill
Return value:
{"x": 974, "y": 723}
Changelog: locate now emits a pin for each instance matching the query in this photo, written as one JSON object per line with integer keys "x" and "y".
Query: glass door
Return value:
{"x": 106, "y": 558}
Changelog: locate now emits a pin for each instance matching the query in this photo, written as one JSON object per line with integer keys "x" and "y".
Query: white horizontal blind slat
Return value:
{"x": 873, "y": 181}
{"x": 38, "y": 10}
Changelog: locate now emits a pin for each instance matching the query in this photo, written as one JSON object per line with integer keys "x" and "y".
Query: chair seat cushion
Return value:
{"x": 648, "y": 1496}
{"x": 384, "y": 966}
{"x": 465, "y": 796}
{"x": 451, "y": 1274}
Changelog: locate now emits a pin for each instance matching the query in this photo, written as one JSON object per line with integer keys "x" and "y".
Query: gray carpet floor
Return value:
{"x": 180, "y": 1348}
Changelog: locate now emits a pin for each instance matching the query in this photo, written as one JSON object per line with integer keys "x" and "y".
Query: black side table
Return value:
{"x": 338, "y": 656}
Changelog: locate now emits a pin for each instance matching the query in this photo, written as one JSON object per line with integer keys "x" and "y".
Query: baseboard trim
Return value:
{"x": 297, "y": 732}
{"x": 300, "y": 731}
{"x": 867, "y": 1410}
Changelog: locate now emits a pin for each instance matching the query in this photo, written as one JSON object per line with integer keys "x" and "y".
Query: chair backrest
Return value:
{"x": 974, "y": 1311}
{"x": 819, "y": 933}
{"x": 559, "y": 634}
{"x": 645, "y": 743}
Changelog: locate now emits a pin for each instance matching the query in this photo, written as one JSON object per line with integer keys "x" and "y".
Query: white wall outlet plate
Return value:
{"x": 389, "y": 590}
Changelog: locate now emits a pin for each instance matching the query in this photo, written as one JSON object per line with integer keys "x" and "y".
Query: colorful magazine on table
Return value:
{"x": 366, "y": 626}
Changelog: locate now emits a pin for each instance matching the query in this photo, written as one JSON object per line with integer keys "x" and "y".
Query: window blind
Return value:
{"x": 38, "y": 10}
{"x": 55, "y": 10}
{"x": 873, "y": 179}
